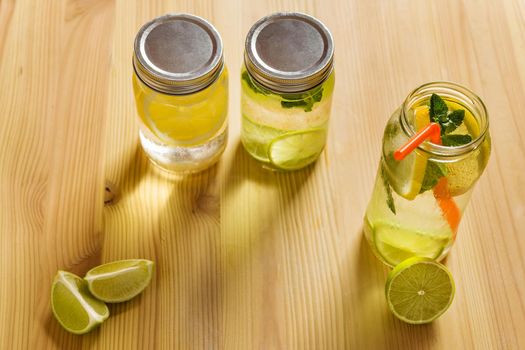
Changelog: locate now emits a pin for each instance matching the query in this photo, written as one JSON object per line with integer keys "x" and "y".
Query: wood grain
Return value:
{"x": 246, "y": 258}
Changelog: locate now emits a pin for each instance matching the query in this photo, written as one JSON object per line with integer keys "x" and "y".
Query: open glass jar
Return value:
{"x": 418, "y": 202}
{"x": 287, "y": 83}
{"x": 181, "y": 91}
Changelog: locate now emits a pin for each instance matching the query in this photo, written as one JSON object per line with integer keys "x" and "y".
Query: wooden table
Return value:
{"x": 246, "y": 258}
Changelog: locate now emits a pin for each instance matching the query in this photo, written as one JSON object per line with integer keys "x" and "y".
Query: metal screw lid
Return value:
{"x": 178, "y": 54}
{"x": 289, "y": 52}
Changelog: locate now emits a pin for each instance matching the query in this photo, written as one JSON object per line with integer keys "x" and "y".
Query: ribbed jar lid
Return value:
{"x": 178, "y": 54}
{"x": 289, "y": 52}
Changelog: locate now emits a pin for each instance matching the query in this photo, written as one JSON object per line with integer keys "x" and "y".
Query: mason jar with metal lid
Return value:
{"x": 287, "y": 86}
{"x": 419, "y": 198}
{"x": 181, "y": 91}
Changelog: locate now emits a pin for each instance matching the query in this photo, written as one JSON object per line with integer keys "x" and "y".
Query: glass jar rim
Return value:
{"x": 463, "y": 95}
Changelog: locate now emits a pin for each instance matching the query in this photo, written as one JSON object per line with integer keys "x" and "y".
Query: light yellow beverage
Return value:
{"x": 418, "y": 202}
{"x": 180, "y": 83}
{"x": 184, "y": 120}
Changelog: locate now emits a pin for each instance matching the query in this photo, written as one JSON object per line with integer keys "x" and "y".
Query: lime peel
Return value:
{"x": 297, "y": 149}
{"x": 426, "y": 286}
{"x": 94, "y": 318}
{"x": 395, "y": 244}
{"x": 121, "y": 280}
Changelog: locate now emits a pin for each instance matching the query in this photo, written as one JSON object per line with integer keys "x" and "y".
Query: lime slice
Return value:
{"x": 256, "y": 137}
{"x": 120, "y": 280}
{"x": 419, "y": 290}
{"x": 396, "y": 244}
{"x": 73, "y": 306}
{"x": 408, "y": 174}
{"x": 298, "y": 149}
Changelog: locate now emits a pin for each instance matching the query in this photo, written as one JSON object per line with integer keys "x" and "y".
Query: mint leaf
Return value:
{"x": 317, "y": 95}
{"x": 457, "y": 117}
{"x": 302, "y": 100}
{"x": 452, "y": 122}
{"x": 246, "y": 77}
{"x": 433, "y": 173}
{"x": 305, "y": 100}
{"x": 291, "y": 104}
{"x": 455, "y": 140}
{"x": 438, "y": 108}
{"x": 388, "y": 190}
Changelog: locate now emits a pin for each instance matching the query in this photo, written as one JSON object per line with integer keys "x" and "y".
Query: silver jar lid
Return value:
{"x": 178, "y": 54}
{"x": 289, "y": 52}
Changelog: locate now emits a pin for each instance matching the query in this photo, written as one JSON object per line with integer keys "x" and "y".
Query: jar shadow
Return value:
{"x": 126, "y": 172}
{"x": 260, "y": 210}
{"x": 366, "y": 310}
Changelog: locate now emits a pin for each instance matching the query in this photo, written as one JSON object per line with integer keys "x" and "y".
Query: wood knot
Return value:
{"x": 206, "y": 203}
{"x": 111, "y": 193}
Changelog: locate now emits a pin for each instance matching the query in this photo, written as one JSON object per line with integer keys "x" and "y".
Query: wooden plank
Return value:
{"x": 54, "y": 67}
{"x": 175, "y": 222}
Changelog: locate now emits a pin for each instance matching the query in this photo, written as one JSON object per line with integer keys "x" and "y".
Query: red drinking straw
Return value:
{"x": 432, "y": 131}
{"x": 449, "y": 209}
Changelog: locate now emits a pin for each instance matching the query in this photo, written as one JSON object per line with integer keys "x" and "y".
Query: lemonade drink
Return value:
{"x": 183, "y": 132}
{"x": 417, "y": 203}
{"x": 181, "y": 91}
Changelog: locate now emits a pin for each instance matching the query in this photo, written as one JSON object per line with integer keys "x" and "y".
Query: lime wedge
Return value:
{"x": 419, "y": 290}
{"x": 396, "y": 244}
{"x": 73, "y": 306}
{"x": 120, "y": 280}
{"x": 409, "y": 173}
{"x": 297, "y": 149}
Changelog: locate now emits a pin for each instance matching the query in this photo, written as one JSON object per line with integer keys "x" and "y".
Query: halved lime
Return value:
{"x": 419, "y": 290}
{"x": 296, "y": 150}
{"x": 73, "y": 306}
{"x": 119, "y": 281}
{"x": 396, "y": 244}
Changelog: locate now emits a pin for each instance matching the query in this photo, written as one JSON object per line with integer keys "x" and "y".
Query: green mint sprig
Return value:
{"x": 433, "y": 173}
{"x": 304, "y": 100}
{"x": 258, "y": 90}
{"x": 448, "y": 121}
{"x": 389, "y": 197}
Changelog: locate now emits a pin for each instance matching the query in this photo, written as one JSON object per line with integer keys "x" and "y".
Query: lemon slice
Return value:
{"x": 297, "y": 149}
{"x": 119, "y": 281}
{"x": 73, "y": 306}
{"x": 395, "y": 244}
{"x": 464, "y": 173}
{"x": 407, "y": 175}
{"x": 419, "y": 290}
{"x": 183, "y": 120}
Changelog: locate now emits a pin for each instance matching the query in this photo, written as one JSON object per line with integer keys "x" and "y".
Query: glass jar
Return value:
{"x": 181, "y": 91}
{"x": 287, "y": 83}
{"x": 417, "y": 203}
